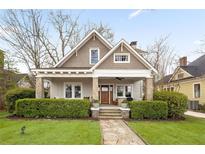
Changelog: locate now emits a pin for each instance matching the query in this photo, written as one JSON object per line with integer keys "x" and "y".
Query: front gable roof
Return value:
{"x": 83, "y": 41}
{"x": 124, "y": 43}
{"x": 177, "y": 70}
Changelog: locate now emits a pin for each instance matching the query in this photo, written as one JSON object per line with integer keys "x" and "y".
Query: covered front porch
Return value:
{"x": 106, "y": 90}
{"x": 106, "y": 86}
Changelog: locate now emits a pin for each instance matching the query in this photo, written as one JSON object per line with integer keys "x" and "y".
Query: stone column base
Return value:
{"x": 95, "y": 112}
{"x": 125, "y": 113}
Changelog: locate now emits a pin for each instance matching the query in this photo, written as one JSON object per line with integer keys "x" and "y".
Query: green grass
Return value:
{"x": 49, "y": 131}
{"x": 189, "y": 131}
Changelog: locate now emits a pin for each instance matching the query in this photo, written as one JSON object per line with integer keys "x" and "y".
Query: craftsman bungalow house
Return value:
{"x": 97, "y": 70}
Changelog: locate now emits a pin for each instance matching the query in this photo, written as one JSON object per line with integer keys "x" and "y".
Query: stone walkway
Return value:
{"x": 117, "y": 132}
{"x": 195, "y": 114}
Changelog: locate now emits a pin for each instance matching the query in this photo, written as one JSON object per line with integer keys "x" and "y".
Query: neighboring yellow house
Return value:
{"x": 187, "y": 79}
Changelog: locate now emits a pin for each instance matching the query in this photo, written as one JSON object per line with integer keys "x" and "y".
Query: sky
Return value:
{"x": 185, "y": 27}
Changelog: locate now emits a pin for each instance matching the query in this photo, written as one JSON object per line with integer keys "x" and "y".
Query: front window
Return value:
{"x": 124, "y": 91}
{"x": 120, "y": 91}
{"x": 128, "y": 91}
{"x": 196, "y": 90}
{"x": 77, "y": 91}
{"x": 72, "y": 90}
{"x": 94, "y": 55}
{"x": 121, "y": 58}
{"x": 68, "y": 91}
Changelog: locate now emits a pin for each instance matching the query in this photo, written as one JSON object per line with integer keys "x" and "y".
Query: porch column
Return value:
{"x": 39, "y": 87}
{"x": 149, "y": 89}
{"x": 95, "y": 88}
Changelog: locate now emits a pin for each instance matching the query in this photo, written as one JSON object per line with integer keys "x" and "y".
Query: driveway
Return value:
{"x": 117, "y": 132}
{"x": 195, "y": 114}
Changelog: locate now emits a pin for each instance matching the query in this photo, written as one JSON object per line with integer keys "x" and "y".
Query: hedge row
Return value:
{"x": 15, "y": 94}
{"x": 177, "y": 103}
{"x": 53, "y": 108}
{"x": 148, "y": 110}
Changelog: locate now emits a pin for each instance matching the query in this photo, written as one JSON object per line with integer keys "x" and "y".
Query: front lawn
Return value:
{"x": 189, "y": 131}
{"x": 49, "y": 131}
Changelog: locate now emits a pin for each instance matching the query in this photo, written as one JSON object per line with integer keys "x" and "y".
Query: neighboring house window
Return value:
{"x": 121, "y": 57}
{"x": 73, "y": 90}
{"x": 124, "y": 91}
{"x": 197, "y": 90}
{"x": 180, "y": 75}
{"x": 168, "y": 89}
{"x": 94, "y": 55}
{"x": 172, "y": 88}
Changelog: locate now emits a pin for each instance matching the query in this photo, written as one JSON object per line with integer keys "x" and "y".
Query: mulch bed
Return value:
{"x": 15, "y": 117}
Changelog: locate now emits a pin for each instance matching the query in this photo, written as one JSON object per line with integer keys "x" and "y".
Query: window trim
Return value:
{"x": 73, "y": 91}
{"x": 115, "y": 54}
{"x": 124, "y": 90}
{"x": 199, "y": 91}
{"x": 90, "y": 55}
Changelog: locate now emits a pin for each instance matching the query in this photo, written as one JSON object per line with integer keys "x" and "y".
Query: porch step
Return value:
{"x": 109, "y": 111}
{"x": 110, "y": 114}
{"x": 110, "y": 117}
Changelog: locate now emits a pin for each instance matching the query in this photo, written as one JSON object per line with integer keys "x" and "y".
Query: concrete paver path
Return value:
{"x": 117, "y": 132}
{"x": 195, "y": 114}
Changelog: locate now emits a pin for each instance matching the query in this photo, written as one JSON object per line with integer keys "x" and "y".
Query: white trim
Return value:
{"x": 90, "y": 49}
{"x": 58, "y": 70}
{"x": 124, "y": 90}
{"x": 122, "y": 73}
{"x": 193, "y": 96}
{"x": 73, "y": 90}
{"x": 81, "y": 42}
{"x": 65, "y": 75}
{"x": 130, "y": 49}
{"x": 121, "y": 54}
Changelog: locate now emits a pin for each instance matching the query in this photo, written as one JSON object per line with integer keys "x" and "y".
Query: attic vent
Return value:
{"x": 180, "y": 75}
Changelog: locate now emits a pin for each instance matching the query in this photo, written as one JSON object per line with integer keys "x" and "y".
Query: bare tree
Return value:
{"x": 201, "y": 47}
{"x": 161, "y": 55}
{"x": 103, "y": 29}
{"x": 21, "y": 30}
{"x": 39, "y": 39}
{"x": 67, "y": 28}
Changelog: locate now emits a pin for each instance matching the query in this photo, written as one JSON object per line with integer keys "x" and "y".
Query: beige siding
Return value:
{"x": 109, "y": 62}
{"x": 81, "y": 59}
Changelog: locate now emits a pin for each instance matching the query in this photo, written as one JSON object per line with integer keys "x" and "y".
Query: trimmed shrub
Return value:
{"x": 148, "y": 110}
{"x": 177, "y": 103}
{"x": 53, "y": 108}
{"x": 15, "y": 94}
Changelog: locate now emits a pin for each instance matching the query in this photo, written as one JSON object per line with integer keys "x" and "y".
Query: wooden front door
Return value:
{"x": 106, "y": 94}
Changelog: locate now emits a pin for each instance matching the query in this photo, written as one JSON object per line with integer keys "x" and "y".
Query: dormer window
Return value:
{"x": 94, "y": 55}
{"x": 121, "y": 58}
